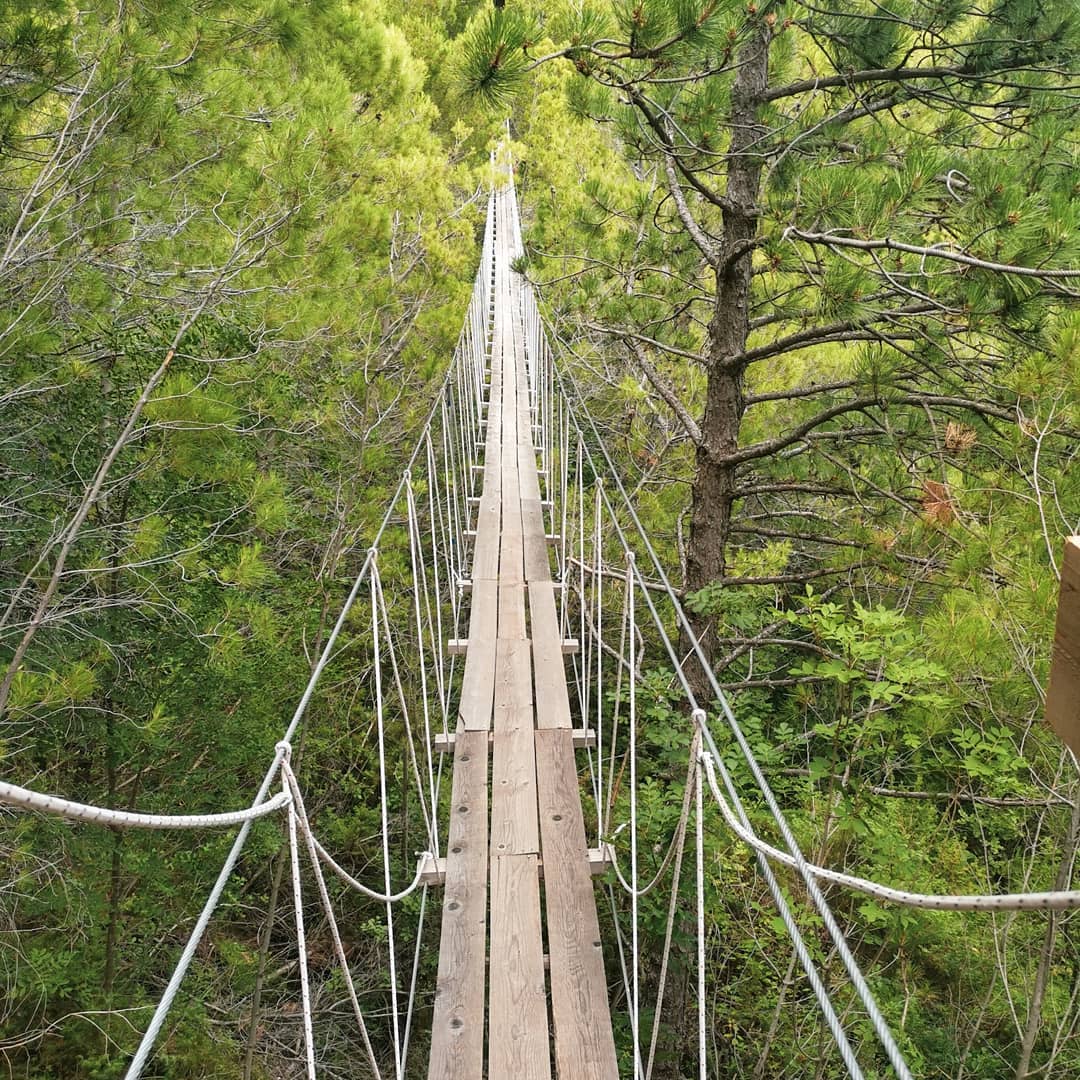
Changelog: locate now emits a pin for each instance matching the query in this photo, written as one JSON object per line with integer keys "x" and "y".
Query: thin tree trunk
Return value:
{"x": 774, "y": 1025}
{"x": 113, "y": 929}
{"x": 1046, "y": 955}
{"x": 260, "y": 975}
{"x": 89, "y": 499}
{"x": 729, "y": 328}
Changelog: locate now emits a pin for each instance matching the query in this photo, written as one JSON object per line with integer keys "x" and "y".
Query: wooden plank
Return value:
{"x": 478, "y": 681}
{"x": 530, "y": 477}
{"x": 513, "y": 775}
{"x": 1063, "y": 691}
{"x": 584, "y": 1044}
{"x": 517, "y": 1019}
{"x": 485, "y": 561}
{"x": 552, "y": 696}
{"x": 514, "y": 828}
{"x": 513, "y": 683}
{"x": 511, "y": 551}
{"x": 537, "y": 565}
{"x": 457, "y": 1033}
{"x": 512, "y": 611}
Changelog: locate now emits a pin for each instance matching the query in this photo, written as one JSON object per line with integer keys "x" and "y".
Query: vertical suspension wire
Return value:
{"x": 699, "y": 868}
{"x": 564, "y": 480}
{"x": 376, "y": 589}
{"x": 466, "y": 473}
{"x": 549, "y": 445}
{"x": 453, "y": 486}
{"x": 301, "y": 940}
{"x": 632, "y": 722}
{"x": 410, "y": 738}
{"x": 468, "y": 405}
{"x": 598, "y": 595}
{"x": 419, "y": 576}
{"x": 435, "y": 624}
{"x": 466, "y": 425}
{"x": 410, "y": 1011}
{"x": 679, "y": 848}
{"x": 454, "y": 437}
{"x": 580, "y": 659}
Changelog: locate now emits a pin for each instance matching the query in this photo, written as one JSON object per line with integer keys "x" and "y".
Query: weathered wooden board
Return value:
{"x": 584, "y": 1044}
{"x": 512, "y": 611}
{"x": 457, "y": 1034}
{"x": 517, "y": 1019}
{"x": 513, "y": 793}
{"x": 478, "y": 681}
{"x": 537, "y": 566}
{"x": 549, "y": 670}
{"x": 513, "y": 683}
{"x": 514, "y": 827}
{"x": 485, "y": 563}
{"x": 1063, "y": 691}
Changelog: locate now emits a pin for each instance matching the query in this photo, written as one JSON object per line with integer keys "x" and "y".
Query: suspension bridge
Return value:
{"x": 511, "y": 646}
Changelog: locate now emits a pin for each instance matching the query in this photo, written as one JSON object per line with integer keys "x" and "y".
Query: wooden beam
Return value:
{"x": 433, "y": 871}
{"x": 1063, "y": 691}
{"x": 584, "y": 739}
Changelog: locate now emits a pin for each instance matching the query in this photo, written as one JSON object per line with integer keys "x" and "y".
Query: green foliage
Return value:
{"x": 273, "y": 185}
{"x": 896, "y": 708}
{"x": 493, "y": 55}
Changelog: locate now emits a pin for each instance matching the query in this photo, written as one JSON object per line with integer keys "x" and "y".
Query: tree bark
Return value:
{"x": 714, "y": 489}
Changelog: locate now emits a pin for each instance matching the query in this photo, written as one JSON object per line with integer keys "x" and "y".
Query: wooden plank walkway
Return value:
{"x": 515, "y": 702}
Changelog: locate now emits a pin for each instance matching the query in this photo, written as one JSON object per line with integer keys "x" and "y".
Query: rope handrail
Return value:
{"x": 25, "y": 799}
{"x": 1064, "y": 900}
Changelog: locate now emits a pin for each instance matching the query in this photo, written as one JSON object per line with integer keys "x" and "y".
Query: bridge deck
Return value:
{"x": 515, "y": 706}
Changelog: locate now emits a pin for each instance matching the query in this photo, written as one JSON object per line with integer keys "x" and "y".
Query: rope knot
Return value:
{"x": 284, "y": 748}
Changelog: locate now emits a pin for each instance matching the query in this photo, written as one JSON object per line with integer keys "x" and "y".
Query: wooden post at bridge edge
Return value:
{"x": 1063, "y": 691}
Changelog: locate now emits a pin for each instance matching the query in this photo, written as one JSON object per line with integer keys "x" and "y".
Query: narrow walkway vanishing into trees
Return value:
{"x": 515, "y": 708}
{"x": 509, "y": 539}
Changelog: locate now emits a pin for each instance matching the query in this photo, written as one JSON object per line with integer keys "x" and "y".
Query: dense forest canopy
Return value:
{"x": 815, "y": 268}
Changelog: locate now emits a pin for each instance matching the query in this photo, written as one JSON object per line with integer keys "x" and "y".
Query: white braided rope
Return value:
{"x": 360, "y": 887}
{"x": 635, "y": 956}
{"x": 301, "y": 941}
{"x": 22, "y": 797}
{"x": 328, "y": 910}
{"x": 699, "y": 895}
{"x": 1035, "y": 901}
{"x": 376, "y": 648}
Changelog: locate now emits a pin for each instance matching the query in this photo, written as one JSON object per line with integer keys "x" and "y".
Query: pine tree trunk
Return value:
{"x": 714, "y": 488}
